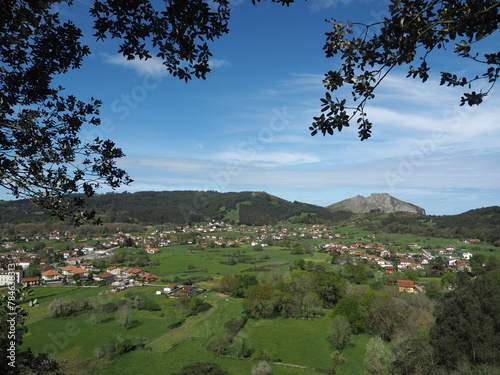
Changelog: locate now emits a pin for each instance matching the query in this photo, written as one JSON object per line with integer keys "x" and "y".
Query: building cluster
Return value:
{"x": 390, "y": 262}
{"x": 78, "y": 267}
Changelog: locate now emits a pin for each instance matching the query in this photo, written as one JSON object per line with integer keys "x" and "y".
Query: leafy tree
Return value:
{"x": 220, "y": 343}
{"x": 448, "y": 279}
{"x": 412, "y": 32}
{"x": 298, "y": 264}
{"x": 433, "y": 289}
{"x": 340, "y": 332}
{"x": 436, "y": 266}
{"x": 123, "y": 317}
{"x": 261, "y": 301}
{"x": 241, "y": 348}
{"x": 242, "y": 283}
{"x": 42, "y": 156}
{"x": 33, "y": 270}
{"x": 60, "y": 307}
{"x": 350, "y": 307}
{"x": 482, "y": 264}
{"x": 329, "y": 287}
{"x": 467, "y": 327}
{"x": 377, "y": 356}
{"x": 311, "y": 305}
{"x": 385, "y": 313}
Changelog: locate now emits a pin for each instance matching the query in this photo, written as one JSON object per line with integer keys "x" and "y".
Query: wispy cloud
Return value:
{"x": 267, "y": 159}
{"x": 153, "y": 66}
{"x": 218, "y": 63}
{"x": 326, "y": 4}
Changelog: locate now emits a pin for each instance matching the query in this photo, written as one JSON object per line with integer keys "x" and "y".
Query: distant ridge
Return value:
{"x": 184, "y": 207}
{"x": 382, "y": 202}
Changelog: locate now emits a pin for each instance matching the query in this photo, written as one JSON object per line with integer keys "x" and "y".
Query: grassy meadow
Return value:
{"x": 168, "y": 349}
{"x": 171, "y": 339}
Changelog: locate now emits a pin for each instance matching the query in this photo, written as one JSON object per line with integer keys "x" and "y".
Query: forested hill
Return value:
{"x": 181, "y": 207}
{"x": 482, "y": 224}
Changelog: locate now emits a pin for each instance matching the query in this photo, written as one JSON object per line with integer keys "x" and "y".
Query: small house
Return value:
{"x": 407, "y": 286}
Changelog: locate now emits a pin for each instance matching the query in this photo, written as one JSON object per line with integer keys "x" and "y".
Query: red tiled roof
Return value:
{"x": 29, "y": 279}
{"x": 79, "y": 270}
{"x": 406, "y": 283}
{"x": 50, "y": 273}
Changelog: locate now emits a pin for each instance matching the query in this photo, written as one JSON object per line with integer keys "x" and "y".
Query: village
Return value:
{"x": 77, "y": 263}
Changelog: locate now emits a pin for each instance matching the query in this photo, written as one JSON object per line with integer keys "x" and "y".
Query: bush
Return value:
{"x": 201, "y": 368}
{"x": 119, "y": 346}
{"x": 149, "y": 305}
{"x": 220, "y": 343}
{"x": 60, "y": 307}
{"x": 109, "y": 307}
{"x": 263, "y": 368}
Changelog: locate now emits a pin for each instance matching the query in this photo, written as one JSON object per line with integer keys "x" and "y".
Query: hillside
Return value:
{"x": 181, "y": 207}
{"x": 482, "y": 224}
{"x": 381, "y": 202}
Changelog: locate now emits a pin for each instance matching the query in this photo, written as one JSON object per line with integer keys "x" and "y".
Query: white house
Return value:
{"x": 170, "y": 288}
{"x": 51, "y": 275}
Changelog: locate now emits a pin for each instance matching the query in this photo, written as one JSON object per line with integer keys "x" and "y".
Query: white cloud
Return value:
{"x": 267, "y": 159}
{"x": 325, "y": 4}
{"x": 218, "y": 63}
{"x": 171, "y": 165}
{"x": 153, "y": 66}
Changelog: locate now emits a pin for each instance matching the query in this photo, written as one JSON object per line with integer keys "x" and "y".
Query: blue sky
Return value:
{"x": 245, "y": 128}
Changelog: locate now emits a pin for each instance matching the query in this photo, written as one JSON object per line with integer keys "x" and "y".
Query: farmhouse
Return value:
{"x": 187, "y": 291}
{"x": 31, "y": 281}
{"x": 114, "y": 270}
{"x": 152, "y": 250}
{"x": 407, "y": 286}
{"x": 149, "y": 277}
{"x": 51, "y": 275}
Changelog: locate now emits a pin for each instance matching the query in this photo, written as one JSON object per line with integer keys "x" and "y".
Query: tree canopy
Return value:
{"x": 44, "y": 158}
{"x": 407, "y": 37}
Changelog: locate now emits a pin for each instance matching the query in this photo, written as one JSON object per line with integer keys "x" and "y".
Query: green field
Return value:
{"x": 174, "y": 261}
{"x": 169, "y": 349}
{"x": 286, "y": 342}
{"x": 298, "y": 341}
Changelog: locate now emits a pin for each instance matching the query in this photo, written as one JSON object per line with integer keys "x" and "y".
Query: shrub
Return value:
{"x": 263, "y": 368}
{"x": 149, "y": 305}
{"x": 201, "y": 368}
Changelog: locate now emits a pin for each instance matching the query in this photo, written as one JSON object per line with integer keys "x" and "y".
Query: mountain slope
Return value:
{"x": 382, "y": 202}
{"x": 181, "y": 207}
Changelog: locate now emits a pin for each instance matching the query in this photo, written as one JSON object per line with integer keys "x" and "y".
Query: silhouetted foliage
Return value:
{"x": 410, "y": 33}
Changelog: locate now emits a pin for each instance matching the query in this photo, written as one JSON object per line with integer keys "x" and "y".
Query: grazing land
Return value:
{"x": 159, "y": 300}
